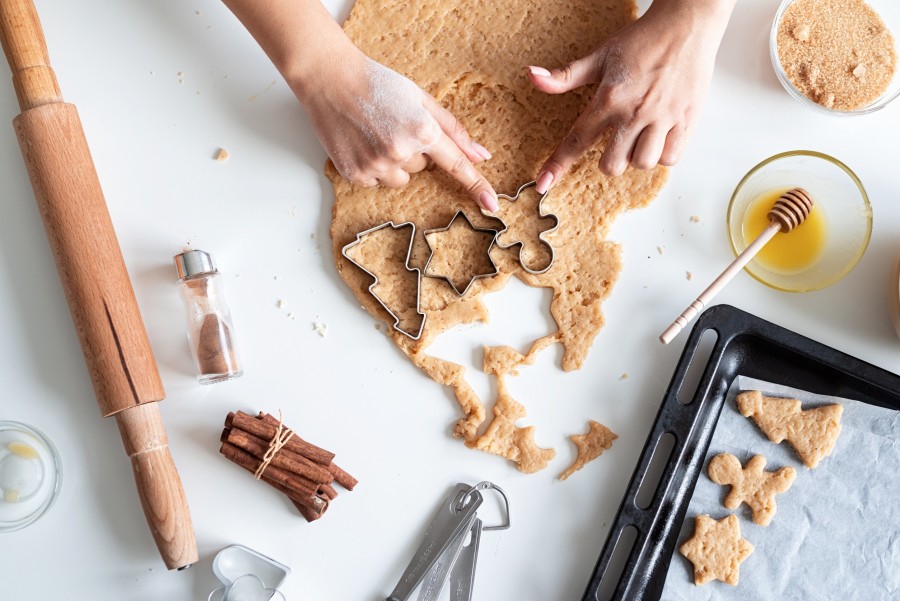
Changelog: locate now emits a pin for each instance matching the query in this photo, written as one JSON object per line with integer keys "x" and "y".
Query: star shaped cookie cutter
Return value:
{"x": 521, "y": 243}
{"x": 477, "y": 276}
{"x": 415, "y": 335}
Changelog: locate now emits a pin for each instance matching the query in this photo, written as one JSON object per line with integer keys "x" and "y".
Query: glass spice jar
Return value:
{"x": 210, "y": 330}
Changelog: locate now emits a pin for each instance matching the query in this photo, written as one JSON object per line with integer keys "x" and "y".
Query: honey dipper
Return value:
{"x": 790, "y": 210}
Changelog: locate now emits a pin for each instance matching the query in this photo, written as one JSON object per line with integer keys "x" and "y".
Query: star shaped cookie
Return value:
{"x": 460, "y": 253}
{"x": 751, "y": 484}
{"x": 716, "y": 549}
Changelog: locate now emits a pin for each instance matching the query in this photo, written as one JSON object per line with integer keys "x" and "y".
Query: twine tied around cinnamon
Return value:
{"x": 281, "y": 437}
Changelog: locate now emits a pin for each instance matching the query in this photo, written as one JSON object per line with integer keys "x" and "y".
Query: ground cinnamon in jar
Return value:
{"x": 210, "y": 332}
{"x": 837, "y": 53}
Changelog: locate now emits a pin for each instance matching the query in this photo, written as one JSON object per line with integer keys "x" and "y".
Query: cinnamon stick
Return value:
{"x": 309, "y": 513}
{"x": 265, "y": 429}
{"x": 342, "y": 477}
{"x": 272, "y": 475}
{"x": 327, "y": 491}
{"x": 284, "y": 459}
{"x": 271, "y": 420}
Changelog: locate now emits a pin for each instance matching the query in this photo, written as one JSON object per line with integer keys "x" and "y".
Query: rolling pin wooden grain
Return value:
{"x": 102, "y": 302}
{"x": 790, "y": 210}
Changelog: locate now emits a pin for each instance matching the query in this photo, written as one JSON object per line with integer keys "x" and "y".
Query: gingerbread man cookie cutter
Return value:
{"x": 521, "y": 243}
{"x": 345, "y": 251}
{"x": 478, "y": 276}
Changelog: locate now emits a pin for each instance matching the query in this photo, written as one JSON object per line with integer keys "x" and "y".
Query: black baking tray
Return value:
{"x": 746, "y": 345}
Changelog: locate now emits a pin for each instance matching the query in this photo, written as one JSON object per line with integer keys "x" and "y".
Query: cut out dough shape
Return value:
{"x": 751, "y": 484}
{"x": 812, "y": 432}
{"x": 716, "y": 550}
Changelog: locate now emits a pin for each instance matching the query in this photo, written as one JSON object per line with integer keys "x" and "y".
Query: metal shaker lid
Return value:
{"x": 194, "y": 262}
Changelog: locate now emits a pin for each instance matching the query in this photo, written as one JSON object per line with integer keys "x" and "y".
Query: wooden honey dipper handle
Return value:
{"x": 790, "y": 210}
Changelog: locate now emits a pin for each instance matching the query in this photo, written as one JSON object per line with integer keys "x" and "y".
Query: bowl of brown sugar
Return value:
{"x": 837, "y": 57}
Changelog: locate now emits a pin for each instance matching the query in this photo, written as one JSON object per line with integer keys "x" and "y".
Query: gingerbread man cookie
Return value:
{"x": 716, "y": 549}
{"x": 812, "y": 433}
{"x": 751, "y": 484}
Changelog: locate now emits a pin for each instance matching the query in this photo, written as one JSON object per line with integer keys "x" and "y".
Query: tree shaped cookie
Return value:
{"x": 812, "y": 433}
{"x": 751, "y": 485}
{"x": 716, "y": 549}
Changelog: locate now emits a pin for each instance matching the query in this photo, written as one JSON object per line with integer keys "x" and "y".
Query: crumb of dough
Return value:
{"x": 838, "y": 53}
{"x": 599, "y": 438}
{"x": 221, "y": 155}
{"x": 661, "y": 249}
{"x": 480, "y": 81}
{"x": 320, "y": 328}
{"x": 624, "y": 376}
{"x": 280, "y": 303}
{"x": 695, "y": 218}
{"x": 689, "y": 275}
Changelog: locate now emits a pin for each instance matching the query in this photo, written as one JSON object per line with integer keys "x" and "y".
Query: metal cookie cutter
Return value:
{"x": 415, "y": 335}
{"x": 520, "y": 243}
{"x": 477, "y": 276}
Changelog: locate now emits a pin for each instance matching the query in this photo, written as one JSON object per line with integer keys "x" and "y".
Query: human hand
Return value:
{"x": 652, "y": 75}
{"x": 378, "y": 127}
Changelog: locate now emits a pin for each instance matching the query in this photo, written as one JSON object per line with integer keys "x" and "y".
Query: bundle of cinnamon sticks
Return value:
{"x": 304, "y": 472}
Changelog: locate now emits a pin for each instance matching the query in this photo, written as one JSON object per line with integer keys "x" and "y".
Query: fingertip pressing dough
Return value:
{"x": 716, "y": 550}
{"x": 813, "y": 432}
{"x": 470, "y": 56}
{"x": 751, "y": 484}
{"x": 590, "y": 446}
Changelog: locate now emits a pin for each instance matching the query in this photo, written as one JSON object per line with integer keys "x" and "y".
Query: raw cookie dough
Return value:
{"x": 716, "y": 550}
{"x": 590, "y": 446}
{"x": 470, "y": 56}
{"x": 751, "y": 485}
{"x": 812, "y": 432}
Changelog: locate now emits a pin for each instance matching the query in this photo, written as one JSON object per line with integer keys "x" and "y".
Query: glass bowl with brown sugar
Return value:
{"x": 837, "y": 57}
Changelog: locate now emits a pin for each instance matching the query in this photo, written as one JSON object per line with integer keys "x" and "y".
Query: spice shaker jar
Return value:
{"x": 210, "y": 330}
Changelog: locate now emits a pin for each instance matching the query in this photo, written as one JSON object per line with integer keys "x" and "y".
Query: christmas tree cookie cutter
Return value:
{"x": 416, "y": 333}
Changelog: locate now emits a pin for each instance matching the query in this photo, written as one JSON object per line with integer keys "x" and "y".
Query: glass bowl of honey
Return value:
{"x": 827, "y": 245}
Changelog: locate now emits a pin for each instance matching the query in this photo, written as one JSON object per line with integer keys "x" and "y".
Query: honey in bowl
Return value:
{"x": 786, "y": 253}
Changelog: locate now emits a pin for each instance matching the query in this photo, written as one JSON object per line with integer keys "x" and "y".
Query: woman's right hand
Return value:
{"x": 378, "y": 127}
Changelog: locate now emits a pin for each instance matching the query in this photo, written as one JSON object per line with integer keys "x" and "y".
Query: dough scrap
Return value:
{"x": 751, "y": 484}
{"x": 716, "y": 550}
{"x": 502, "y": 436}
{"x": 470, "y": 56}
{"x": 590, "y": 446}
{"x": 813, "y": 432}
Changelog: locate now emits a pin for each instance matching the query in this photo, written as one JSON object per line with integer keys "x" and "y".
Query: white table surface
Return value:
{"x": 160, "y": 86}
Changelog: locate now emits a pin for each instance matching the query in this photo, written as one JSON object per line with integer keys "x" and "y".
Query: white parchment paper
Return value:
{"x": 836, "y": 531}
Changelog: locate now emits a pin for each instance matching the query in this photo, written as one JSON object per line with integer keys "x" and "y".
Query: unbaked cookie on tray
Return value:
{"x": 470, "y": 55}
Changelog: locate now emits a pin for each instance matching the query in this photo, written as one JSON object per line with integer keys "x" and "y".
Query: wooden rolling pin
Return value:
{"x": 119, "y": 358}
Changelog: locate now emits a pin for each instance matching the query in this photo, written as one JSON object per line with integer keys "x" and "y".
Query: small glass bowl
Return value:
{"x": 889, "y": 11}
{"x": 836, "y": 191}
{"x": 37, "y": 479}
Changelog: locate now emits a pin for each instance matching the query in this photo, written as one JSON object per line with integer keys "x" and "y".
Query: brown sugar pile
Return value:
{"x": 837, "y": 53}
{"x": 470, "y": 55}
